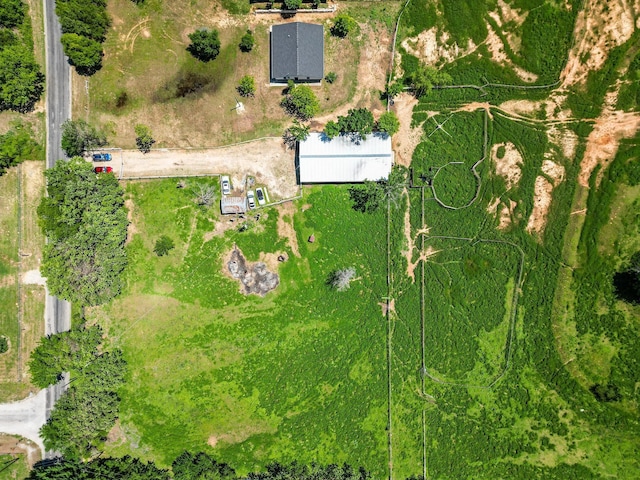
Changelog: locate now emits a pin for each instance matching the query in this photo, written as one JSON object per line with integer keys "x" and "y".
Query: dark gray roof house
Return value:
{"x": 297, "y": 52}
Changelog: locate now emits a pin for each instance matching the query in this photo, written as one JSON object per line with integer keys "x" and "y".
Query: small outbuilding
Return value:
{"x": 231, "y": 205}
{"x": 344, "y": 159}
{"x": 297, "y": 52}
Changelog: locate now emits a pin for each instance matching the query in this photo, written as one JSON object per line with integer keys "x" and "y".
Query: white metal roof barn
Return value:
{"x": 342, "y": 160}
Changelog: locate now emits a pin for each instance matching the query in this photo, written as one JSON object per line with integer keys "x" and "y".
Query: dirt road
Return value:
{"x": 266, "y": 159}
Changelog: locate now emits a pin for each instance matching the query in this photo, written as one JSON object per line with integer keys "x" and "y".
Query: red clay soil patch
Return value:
{"x": 253, "y": 277}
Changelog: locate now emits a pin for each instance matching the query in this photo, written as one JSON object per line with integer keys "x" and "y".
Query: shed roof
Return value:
{"x": 297, "y": 52}
{"x": 230, "y": 205}
{"x": 343, "y": 160}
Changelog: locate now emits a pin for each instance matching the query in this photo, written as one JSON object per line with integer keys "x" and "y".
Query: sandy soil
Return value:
{"x": 554, "y": 171}
{"x": 431, "y": 46}
{"x": 407, "y": 138}
{"x": 541, "y": 203}
{"x": 566, "y": 139}
{"x": 408, "y": 253}
{"x": 14, "y": 445}
{"x": 604, "y": 139}
{"x": 508, "y": 166}
{"x": 265, "y": 159}
{"x": 600, "y": 26}
{"x": 372, "y": 68}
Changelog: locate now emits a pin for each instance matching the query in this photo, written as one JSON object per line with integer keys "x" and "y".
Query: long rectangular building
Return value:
{"x": 343, "y": 159}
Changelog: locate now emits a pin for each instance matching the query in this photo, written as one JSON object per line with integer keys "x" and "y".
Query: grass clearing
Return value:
{"x": 21, "y": 318}
{"x": 148, "y": 77}
{"x": 255, "y": 378}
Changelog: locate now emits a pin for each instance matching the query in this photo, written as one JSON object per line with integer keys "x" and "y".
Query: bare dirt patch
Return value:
{"x": 286, "y": 228}
{"x": 600, "y": 26}
{"x": 508, "y": 166}
{"x": 33, "y": 277}
{"x": 408, "y": 253}
{"x": 541, "y": 203}
{"x": 267, "y": 160}
{"x": 431, "y": 46}
{"x": 554, "y": 171}
{"x": 408, "y": 137}
{"x": 566, "y": 139}
{"x": 473, "y": 106}
{"x": 604, "y": 139}
{"x": 387, "y": 307}
{"x": 253, "y": 277}
{"x": 20, "y": 446}
{"x": 7, "y": 280}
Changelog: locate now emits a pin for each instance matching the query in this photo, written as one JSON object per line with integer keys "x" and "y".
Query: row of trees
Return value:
{"x": 89, "y": 408}
{"x": 21, "y": 80}
{"x": 83, "y": 217}
{"x": 17, "y": 145}
{"x": 84, "y": 28}
{"x": 189, "y": 466}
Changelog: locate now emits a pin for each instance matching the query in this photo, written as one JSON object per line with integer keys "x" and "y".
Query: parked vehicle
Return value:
{"x": 101, "y": 157}
{"x": 103, "y": 169}
{"x": 260, "y": 195}
{"x": 226, "y": 185}
{"x": 251, "y": 199}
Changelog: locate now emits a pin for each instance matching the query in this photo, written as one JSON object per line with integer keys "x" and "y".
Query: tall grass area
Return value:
{"x": 296, "y": 375}
{"x": 538, "y": 420}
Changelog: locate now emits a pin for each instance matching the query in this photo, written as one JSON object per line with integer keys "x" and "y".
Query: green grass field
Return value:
{"x": 13, "y": 467}
{"x": 298, "y": 374}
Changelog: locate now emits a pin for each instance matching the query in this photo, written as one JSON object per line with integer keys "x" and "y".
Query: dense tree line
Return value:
{"x": 84, "y": 28}
{"x": 21, "y": 80}
{"x": 86, "y": 412}
{"x": 84, "y": 219}
{"x": 188, "y": 466}
{"x": 17, "y": 145}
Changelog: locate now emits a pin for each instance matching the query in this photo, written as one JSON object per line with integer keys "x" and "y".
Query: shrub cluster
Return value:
{"x": 17, "y": 145}
{"x": 84, "y": 29}
{"x": 359, "y": 123}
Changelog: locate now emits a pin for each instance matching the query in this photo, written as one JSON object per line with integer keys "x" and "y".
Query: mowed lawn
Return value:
{"x": 299, "y": 374}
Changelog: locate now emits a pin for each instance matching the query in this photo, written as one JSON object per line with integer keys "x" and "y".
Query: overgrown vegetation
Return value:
{"x": 144, "y": 138}
{"x": 84, "y": 219}
{"x": 21, "y": 79}
{"x": 84, "y": 414}
{"x": 16, "y": 146}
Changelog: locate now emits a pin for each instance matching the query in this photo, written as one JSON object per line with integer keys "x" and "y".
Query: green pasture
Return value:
{"x": 299, "y": 374}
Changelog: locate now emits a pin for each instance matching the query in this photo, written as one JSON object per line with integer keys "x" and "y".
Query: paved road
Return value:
{"x": 25, "y": 417}
{"x": 57, "y": 311}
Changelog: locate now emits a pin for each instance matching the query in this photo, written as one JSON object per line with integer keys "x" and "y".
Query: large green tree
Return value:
{"x": 11, "y": 13}
{"x": 389, "y": 123}
{"x": 358, "y": 122}
{"x": 424, "y": 77}
{"x": 21, "y": 81}
{"x": 205, "y": 44}
{"x": 78, "y": 137}
{"x": 86, "y": 223}
{"x": 84, "y": 53}
{"x": 87, "y": 18}
{"x": 300, "y": 102}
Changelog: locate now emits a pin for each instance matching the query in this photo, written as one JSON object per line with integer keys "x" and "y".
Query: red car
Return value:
{"x": 103, "y": 169}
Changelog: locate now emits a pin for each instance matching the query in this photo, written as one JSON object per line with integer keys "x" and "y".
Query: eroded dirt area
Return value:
{"x": 600, "y": 26}
{"x": 10, "y": 445}
{"x": 408, "y": 137}
{"x": 286, "y": 227}
{"x": 253, "y": 277}
{"x": 604, "y": 139}
{"x": 541, "y": 203}
{"x": 508, "y": 165}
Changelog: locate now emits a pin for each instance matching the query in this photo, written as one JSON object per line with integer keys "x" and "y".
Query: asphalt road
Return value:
{"x": 57, "y": 311}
